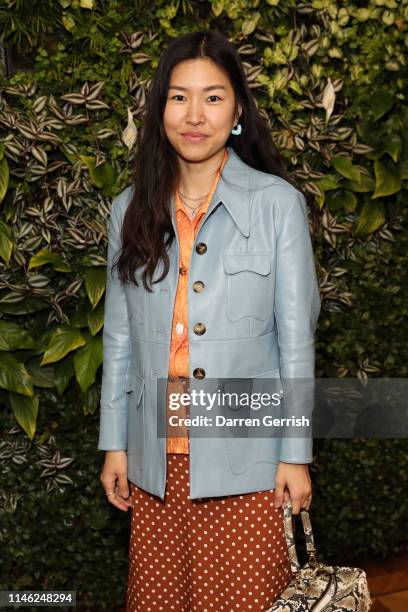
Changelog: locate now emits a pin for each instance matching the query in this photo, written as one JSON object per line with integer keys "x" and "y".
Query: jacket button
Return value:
{"x": 182, "y": 270}
{"x": 198, "y": 286}
{"x": 199, "y": 329}
{"x": 199, "y": 373}
{"x": 201, "y": 248}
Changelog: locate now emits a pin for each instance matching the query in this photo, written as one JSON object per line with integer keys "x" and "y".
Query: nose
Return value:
{"x": 194, "y": 112}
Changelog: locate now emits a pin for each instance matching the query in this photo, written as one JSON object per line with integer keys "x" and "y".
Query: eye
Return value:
{"x": 181, "y": 96}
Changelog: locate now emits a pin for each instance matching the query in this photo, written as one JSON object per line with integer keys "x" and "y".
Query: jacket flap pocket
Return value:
{"x": 254, "y": 262}
{"x": 136, "y": 384}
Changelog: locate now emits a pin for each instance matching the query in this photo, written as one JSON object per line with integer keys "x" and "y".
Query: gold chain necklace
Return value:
{"x": 193, "y": 210}
{"x": 188, "y": 197}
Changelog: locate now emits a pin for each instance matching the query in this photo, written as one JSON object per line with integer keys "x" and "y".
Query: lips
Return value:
{"x": 195, "y": 136}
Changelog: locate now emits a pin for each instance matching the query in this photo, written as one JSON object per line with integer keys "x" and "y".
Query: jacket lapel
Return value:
{"x": 232, "y": 192}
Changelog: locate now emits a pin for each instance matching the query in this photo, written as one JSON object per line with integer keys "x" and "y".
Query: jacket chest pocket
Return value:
{"x": 249, "y": 285}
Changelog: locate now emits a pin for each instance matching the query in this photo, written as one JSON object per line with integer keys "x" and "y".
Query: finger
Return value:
{"x": 278, "y": 494}
{"x": 307, "y": 499}
{"x": 115, "y": 500}
{"x": 109, "y": 484}
{"x": 306, "y": 504}
{"x": 126, "y": 502}
{"x": 123, "y": 490}
{"x": 295, "y": 505}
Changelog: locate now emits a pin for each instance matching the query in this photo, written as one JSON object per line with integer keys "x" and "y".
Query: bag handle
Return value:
{"x": 290, "y": 539}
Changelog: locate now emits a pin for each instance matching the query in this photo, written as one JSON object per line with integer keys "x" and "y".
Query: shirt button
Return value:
{"x": 182, "y": 270}
{"x": 201, "y": 248}
{"x": 199, "y": 329}
{"x": 179, "y": 328}
{"x": 198, "y": 286}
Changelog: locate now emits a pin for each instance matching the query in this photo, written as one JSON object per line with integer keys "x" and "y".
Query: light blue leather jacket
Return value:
{"x": 260, "y": 307}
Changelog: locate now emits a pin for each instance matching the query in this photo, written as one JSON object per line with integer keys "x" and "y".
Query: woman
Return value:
{"x": 214, "y": 221}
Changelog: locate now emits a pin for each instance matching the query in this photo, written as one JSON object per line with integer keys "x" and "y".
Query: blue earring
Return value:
{"x": 237, "y": 130}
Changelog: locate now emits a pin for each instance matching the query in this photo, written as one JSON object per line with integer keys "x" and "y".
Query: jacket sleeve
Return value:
{"x": 297, "y": 308}
{"x": 116, "y": 349}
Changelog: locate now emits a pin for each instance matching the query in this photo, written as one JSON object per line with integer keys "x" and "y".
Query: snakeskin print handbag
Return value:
{"x": 316, "y": 586}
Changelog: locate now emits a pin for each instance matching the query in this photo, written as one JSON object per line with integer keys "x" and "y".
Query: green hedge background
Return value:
{"x": 331, "y": 80}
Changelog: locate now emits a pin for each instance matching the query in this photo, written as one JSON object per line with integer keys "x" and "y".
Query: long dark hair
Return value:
{"x": 147, "y": 230}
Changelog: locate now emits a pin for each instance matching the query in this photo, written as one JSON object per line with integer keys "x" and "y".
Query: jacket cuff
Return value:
{"x": 296, "y": 450}
{"x": 112, "y": 432}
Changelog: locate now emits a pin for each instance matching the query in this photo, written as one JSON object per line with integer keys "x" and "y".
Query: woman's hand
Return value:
{"x": 295, "y": 477}
{"x": 115, "y": 469}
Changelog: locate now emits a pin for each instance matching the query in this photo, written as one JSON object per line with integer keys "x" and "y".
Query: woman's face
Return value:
{"x": 200, "y": 100}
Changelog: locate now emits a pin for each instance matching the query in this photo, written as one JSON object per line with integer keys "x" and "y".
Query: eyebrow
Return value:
{"x": 204, "y": 89}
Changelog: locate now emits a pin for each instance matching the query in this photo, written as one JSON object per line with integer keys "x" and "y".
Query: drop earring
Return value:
{"x": 237, "y": 130}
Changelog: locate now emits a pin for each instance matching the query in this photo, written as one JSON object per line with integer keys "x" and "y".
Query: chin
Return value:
{"x": 193, "y": 151}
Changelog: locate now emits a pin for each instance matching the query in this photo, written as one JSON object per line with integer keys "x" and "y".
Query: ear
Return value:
{"x": 239, "y": 112}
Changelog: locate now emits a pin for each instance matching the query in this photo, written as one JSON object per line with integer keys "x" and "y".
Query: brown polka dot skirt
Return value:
{"x": 213, "y": 553}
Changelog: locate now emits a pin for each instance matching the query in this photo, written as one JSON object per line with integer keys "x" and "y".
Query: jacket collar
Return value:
{"x": 232, "y": 191}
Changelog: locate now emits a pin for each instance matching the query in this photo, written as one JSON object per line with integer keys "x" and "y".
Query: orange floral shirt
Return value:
{"x": 187, "y": 230}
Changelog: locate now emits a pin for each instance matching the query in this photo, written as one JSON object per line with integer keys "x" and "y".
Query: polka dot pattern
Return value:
{"x": 208, "y": 554}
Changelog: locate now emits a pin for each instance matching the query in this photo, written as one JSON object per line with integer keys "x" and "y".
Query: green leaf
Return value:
{"x": 63, "y": 372}
{"x": 341, "y": 199}
{"x": 6, "y": 244}
{"x": 349, "y": 201}
{"x": 294, "y": 85}
{"x": 366, "y": 184}
{"x": 103, "y": 175}
{"x": 217, "y": 7}
{"x": 86, "y": 316}
{"x": 24, "y": 306}
{"x": 371, "y": 217}
{"x": 95, "y": 282}
{"x": 345, "y": 167}
{"x": 381, "y": 102}
{"x": 248, "y": 26}
{"x": 87, "y": 361}
{"x": 42, "y": 376}
{"x": 327, "y": 183}
{"x": 90, "y": 400}
{"x": 334, "y": 200}
{"x": 403, "y": 169}
{"x": 393, "y": 146}
{"x": 63, "y": 341}
{"x": 25, "y": 410}
{"x": 14, "y": 376}
{"x": 80, "y": 316}
{"x": 68, "y": 22}
{"x": 96, "y": 319}
{"x": 4, "y": 178}
{"x": 13, "y": 337}
{"x": 44, "y": 257}
{"x": 387, "y": 178}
